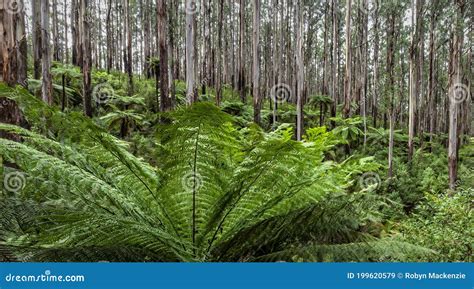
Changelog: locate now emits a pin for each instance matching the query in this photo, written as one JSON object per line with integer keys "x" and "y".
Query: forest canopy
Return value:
{"x": 236, "y": 131}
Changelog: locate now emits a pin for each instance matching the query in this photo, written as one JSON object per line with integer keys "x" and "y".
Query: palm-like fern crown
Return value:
{"x": 219, "y": 194}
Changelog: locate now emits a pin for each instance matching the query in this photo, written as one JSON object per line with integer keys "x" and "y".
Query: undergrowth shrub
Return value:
{"x": 442, "y": 223}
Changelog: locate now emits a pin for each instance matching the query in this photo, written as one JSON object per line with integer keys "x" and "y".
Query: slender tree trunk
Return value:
{"x": 300, "y": 71}
{"x": 420, "y": 56}
{"x": 413, "y": 83}
{"x": 206, "y": 49}
{"x": 162, "y": 28}
{"x": 196, "y": 58}
{"x": 431, "y": 76}
{"x": 172, "y": 51}
{"x": 190, "y": 56}
{"x": 243, "y": 96}
{"x": 334, "y": 70}
{"x": 86, "y": 58}
{"x": 256, "y": 61}
{"x": 391, "y": 89}
{"x": 219, "y": 53}
{"x": 76, "y": 25}
{"x": 66, "y": 34}
{"x": 375, "y": 87}
{"x": 108, "y": 28}
{"x": 129, "y": 55}
{"x": 13, "y": 53}
{"x": 55, "y": 33}
{"x": 278, "y": 60}
{"x": 47, "y": 85}
{"x": 36, "y": 34}
{"x": 348, "y": 74}
{"x": 363, "y": 66}
{"x": 455, "y": 80}
{"x": 326, "y": 72}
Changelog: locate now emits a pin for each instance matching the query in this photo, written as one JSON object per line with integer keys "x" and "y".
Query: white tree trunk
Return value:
{"x": 300, "y": 72}
{"x": 47, "y": 86}
{"x": 190, "y": 57}
{"x": 256, "y": 61}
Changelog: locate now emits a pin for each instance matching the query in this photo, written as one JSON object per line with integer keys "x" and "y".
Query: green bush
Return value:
{"x": 443, "y": 223}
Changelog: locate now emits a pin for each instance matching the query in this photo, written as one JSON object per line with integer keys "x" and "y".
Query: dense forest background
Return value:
{"x": 263, "y": 130}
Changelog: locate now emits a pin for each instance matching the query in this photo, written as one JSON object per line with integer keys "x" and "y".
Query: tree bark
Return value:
{"x": 65, "y": 34}
{"x": 108, "y": 28}
{"x": 13, "y": 54}
{"x": 190, "y": 55}
{"x": 334, "y": 70}
{"x": 348, "y": 73}
{"x": 47, "y": 84}
{"x": 128, "y": 53}
{"x": 36, "y": 34}
{"x": 76, "y": 33}
{"x": 219, "y": 53}
{"x": 432, "y": 72}
{"x": 256, "y": 61}
{"x": 375, "y": 85}
{"x": 243, "y": 96}
{"x": 413, "y": 81}
{"x": 391, "y": 88}
{"x": 455, "y": 79}
{"x": 86, "y": 57}
{"x": 300, "y": 70}
{"x": 162, "y": 28}
{"x": 55, "y": 33}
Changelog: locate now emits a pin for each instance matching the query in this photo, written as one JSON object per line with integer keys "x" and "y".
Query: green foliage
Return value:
{"x": 68, "y": 70}
{"x": 319, "y": 100}
{"x": 380, "y": 137}
{"x": 427, "y": 173}
{"x": 216, "y": 193}
{"x": 348, "y": 129}
{"x": 114, "y": 119}
{"x": 466, "y": 166}
{"x": 443, "y": 223}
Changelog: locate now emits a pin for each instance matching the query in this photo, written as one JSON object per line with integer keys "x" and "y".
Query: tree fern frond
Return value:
{"x": 200, "y": 155}
{"x": 217, "y": 194}
{"x": 335, "y": 219}
{"x": 372, "y": 251}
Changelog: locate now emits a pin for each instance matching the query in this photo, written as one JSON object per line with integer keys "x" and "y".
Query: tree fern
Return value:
{"x": 212, "y": 197}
